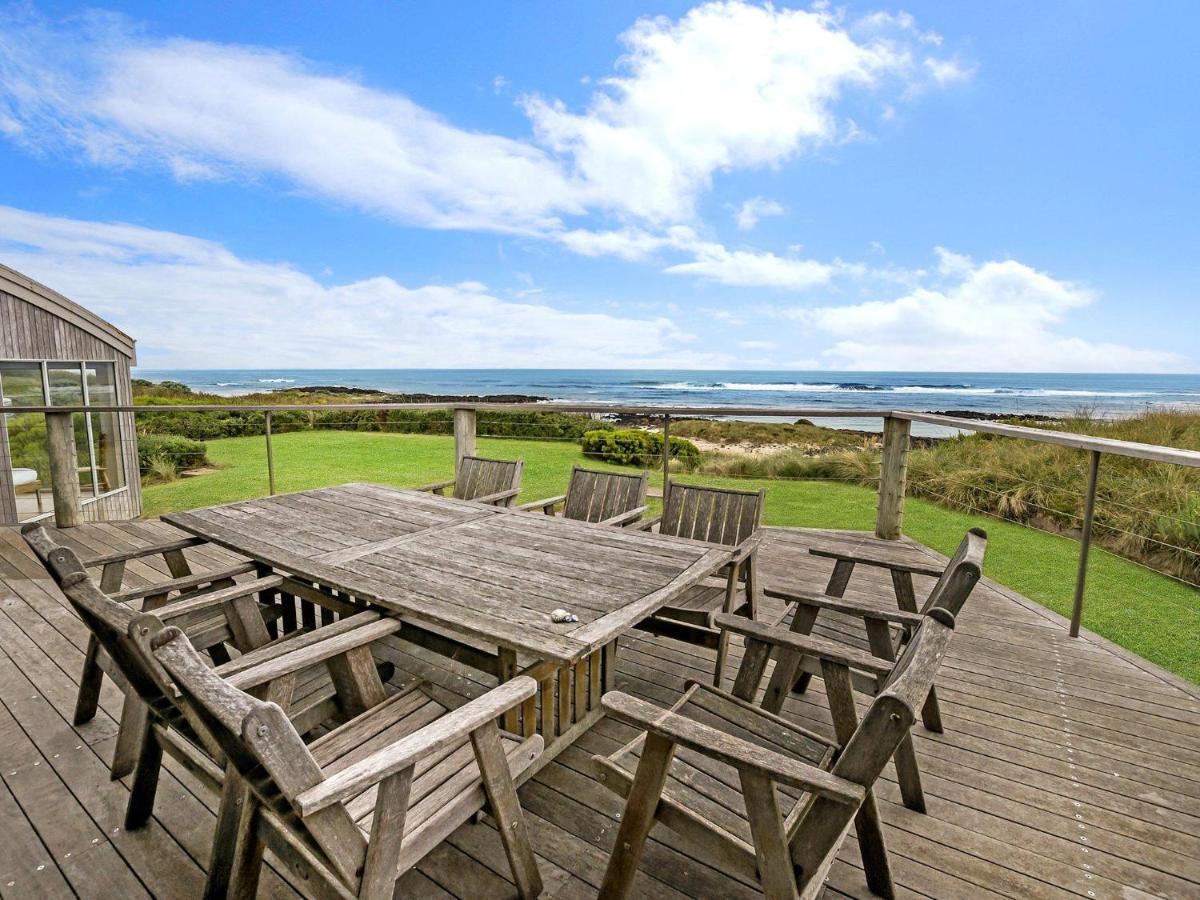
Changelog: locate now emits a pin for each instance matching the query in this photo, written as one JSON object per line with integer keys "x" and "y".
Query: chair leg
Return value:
{"x": 731, "y": 586}
{"x": 90, "y": 681}
{"x": 775, "y": 871}
{"x": 130, "y": 736}
{"x": 752, "y": 592}
{"x": 237, "y": 855}
{"x": 506, "y": 809}
{"x": 931, "y": 713}
{"x": 871, "y": 845}
{"x": 908, "y": 775}
{"x": 638, "y": 818}
{"x": 145, "y": 782}
{"x": 783, "y": 678}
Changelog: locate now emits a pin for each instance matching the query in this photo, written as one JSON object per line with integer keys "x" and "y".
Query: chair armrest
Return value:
{"x": 187, "y": 605}
{"x": 747, "y": 547}
{"x": 803, "y": 643}
{"x": 299, "y": 653}
{"x": 438, "y": 735}
{"x": 139, "y": 552}
{"x": 186, "y": 583}
{"x": 647, "y": 524}
{"x": 492, "y": 499}
{"x": 849, "y": 607}
{"x": 867, "y": 559}
{"x": 729, "y": 749}
{"x": 626, "y": 518}
{"x": 436, "y": 486}
{"x": 549, "y": 502}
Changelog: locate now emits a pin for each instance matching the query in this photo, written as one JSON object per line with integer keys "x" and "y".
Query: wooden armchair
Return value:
{"x": 351, "y": 812}
{"x": 212, "y": 619}
{"x": 717, "y": 516}
{"x": 887, "y": 629}
{"x": 755, "y": 791}
{"x": 493, "y": 481}
{"x": 609, "y": 498}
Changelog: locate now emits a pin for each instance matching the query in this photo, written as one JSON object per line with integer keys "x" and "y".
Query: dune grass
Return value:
{"x": 1153, "y": 616}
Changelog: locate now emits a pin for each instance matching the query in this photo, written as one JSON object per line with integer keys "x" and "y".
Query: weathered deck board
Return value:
{"x": 1066, "y": 768}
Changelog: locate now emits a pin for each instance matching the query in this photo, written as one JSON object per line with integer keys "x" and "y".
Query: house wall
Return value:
{"x": 35, "y": 324}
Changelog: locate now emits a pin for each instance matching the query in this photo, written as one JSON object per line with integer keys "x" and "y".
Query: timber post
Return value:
{"x": 666, "y": 451}
{"x": 64, "y": 469}
{"x": 1085, "y": 542}
{"x": 464, "y": 435}
{"x": 893, "y": 473}
{"x": 270, "y": 456}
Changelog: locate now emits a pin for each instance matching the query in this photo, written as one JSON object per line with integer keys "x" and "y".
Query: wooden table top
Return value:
{"x": 483, "y": 571}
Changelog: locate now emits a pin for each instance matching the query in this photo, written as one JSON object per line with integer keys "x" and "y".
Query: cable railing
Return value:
{"x": 878, "y": 462}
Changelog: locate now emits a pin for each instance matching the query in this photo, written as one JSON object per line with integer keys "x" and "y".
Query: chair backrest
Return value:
{"x": 109, "y": 620}
{"x": 479, "y": 477}
{"x": 824, "y": 822}
{"x": 264, "y": 747}
{"x": 716, "y": 515}
{"x": 960, "y": 575}
{"x": 593, "y": 496}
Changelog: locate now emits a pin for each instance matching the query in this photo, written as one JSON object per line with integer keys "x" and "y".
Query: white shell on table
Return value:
{"x": 562, "y": 615}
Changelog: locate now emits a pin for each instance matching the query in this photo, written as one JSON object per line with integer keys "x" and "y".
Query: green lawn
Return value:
{"x": 1149, "y": 614}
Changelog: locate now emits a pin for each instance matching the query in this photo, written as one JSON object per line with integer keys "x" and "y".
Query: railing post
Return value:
{"x": 893, "y": 473}
{"x": 270, "y": 457}
{"x": 666, "y": 451}
{"x": 1085, "y": 542}
{"x": 64, "y": 469}
{"x": 464, "y": 435}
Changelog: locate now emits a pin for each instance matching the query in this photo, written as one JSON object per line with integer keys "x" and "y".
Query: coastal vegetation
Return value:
{"x": 636, "y": 447}
{"x": 1147, "y": 512}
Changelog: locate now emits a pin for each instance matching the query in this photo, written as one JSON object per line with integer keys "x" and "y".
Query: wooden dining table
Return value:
{"x": 476, "y": 583}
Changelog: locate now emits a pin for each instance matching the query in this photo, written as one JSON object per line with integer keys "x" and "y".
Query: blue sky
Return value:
{"x": 928, "y": 187}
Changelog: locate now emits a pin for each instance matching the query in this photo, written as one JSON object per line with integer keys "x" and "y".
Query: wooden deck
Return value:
{"x": 1067, "y": 766}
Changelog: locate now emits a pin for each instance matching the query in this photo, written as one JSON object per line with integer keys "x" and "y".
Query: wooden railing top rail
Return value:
{"x": 1152, "y": 452}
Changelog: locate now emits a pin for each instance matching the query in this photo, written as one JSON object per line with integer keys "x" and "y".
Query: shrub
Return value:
{"x": 633, "y": 447}
{"x": 156, "y": 452}
{"x": 159, "y": 470}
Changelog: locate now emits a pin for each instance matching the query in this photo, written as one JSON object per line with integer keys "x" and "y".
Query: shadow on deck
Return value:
{"x": 1068, "y": 767}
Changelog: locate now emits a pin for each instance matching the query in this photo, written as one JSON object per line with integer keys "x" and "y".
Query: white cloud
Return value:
{"x": 1001, "y": 316}
{"x": 757, "y": 345}
{"x": 755, "y": 209}
{"x": 743, "y": 268}
{"x": 205, "y": 110}
{"x": 625, "y": 243}
{"x": 728, "y": 86}
{"x": 194, "y": 304}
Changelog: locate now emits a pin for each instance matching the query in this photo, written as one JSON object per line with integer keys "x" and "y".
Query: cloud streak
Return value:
{"x": 189, "y": 301}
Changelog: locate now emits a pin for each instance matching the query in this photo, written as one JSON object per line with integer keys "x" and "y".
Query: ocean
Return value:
{"x": 989, "y": 392}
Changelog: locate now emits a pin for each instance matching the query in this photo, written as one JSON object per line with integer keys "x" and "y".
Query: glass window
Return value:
{"x": 21, "y": 383}
{"x": 97, "y": 435}
{"x": 66, "y": 383}
{"x": 101, "y": 384}
{"x": 106, "y": 438}
{"x": 30, "y": 463}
